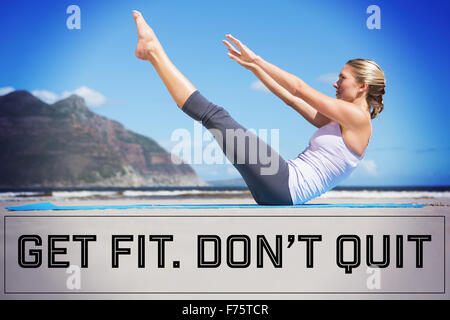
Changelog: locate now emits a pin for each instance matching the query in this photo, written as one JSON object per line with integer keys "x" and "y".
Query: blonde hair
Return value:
{"x": 367, "y": 71}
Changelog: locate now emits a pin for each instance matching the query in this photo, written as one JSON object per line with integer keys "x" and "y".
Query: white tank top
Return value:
{"x": 322, "y": 165}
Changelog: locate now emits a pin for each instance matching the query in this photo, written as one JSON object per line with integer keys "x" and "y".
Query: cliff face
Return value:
{"x": 67, "y": 145}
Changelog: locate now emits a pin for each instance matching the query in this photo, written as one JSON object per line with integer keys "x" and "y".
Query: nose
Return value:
{"x": 335, "y": 85}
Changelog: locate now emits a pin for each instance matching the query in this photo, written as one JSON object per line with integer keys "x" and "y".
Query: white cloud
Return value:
{"x": 6, "y": 90}
{"x": 330, "y": 78}
{"x": 46, "y": 96}
{"x": 259, "y": 86}
{"x": 370, "y": 167}
{"x": 93, "y": 98}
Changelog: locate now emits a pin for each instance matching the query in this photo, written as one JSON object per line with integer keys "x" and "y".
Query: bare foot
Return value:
{"x": 148, "y": 44}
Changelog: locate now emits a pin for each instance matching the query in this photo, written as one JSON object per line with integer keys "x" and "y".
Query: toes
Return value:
{"x": 136, "y": 14}
{"x": 140, "y": 23}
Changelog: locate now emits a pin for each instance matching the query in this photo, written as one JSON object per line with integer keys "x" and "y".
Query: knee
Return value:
{"x": 214, "y": 114}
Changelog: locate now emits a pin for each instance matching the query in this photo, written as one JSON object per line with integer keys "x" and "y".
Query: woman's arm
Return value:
{"x": 343, "y": 112}
{"x": 285, "y": 79}
{"x": 309, "y": 113}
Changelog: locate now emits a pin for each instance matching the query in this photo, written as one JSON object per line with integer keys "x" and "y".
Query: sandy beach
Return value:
{"x": 225, "y": 283}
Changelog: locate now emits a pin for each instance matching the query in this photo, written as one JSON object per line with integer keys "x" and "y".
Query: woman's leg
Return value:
{"x": 264, "y": 171}
{"x": 149, "y": 48}
{"x": 270, "y": 188}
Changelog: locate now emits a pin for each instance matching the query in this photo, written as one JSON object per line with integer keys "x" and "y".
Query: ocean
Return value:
{"x": 385, "y": 192}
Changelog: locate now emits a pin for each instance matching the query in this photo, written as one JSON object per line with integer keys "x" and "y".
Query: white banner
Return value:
{"x": 220, "y": 254}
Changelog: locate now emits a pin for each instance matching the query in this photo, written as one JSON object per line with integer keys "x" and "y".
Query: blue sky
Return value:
{"x": 311, "y": 39}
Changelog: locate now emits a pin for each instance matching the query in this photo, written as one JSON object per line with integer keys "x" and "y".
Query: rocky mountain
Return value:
{"x": 65, "y": 144}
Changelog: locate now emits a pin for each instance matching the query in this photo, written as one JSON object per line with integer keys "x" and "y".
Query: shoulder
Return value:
{"x": 356, "y": 118}
{"x": 359, "y": 124}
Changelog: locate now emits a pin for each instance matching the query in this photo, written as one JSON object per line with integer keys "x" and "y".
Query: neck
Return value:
{"x": 362, "y": 103}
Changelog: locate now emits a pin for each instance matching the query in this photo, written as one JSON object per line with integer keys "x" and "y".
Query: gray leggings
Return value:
{"x": 266, "y": 189}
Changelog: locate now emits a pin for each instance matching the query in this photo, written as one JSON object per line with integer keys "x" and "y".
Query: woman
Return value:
{"x": 335, "y": 149}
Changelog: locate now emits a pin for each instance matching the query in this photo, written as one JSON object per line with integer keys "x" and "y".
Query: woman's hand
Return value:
{"x": 245, "y": 58}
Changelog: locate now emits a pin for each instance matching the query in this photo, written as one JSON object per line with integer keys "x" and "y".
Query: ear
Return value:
{"x": 364, "y": 87}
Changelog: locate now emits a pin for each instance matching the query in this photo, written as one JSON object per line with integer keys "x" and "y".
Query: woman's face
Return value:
{"x": 346, "y": 87}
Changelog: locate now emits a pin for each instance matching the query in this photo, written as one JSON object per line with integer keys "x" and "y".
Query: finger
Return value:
{"x": 232, "y": 56}
{"x": 236, "y": 59}
{"x": 231, "y": 48}
{"x": 229, "y": 45}
{"x": 235, "y": 41}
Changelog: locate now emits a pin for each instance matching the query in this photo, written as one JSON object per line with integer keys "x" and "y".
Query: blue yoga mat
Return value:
{"x": 49, "y": 206}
